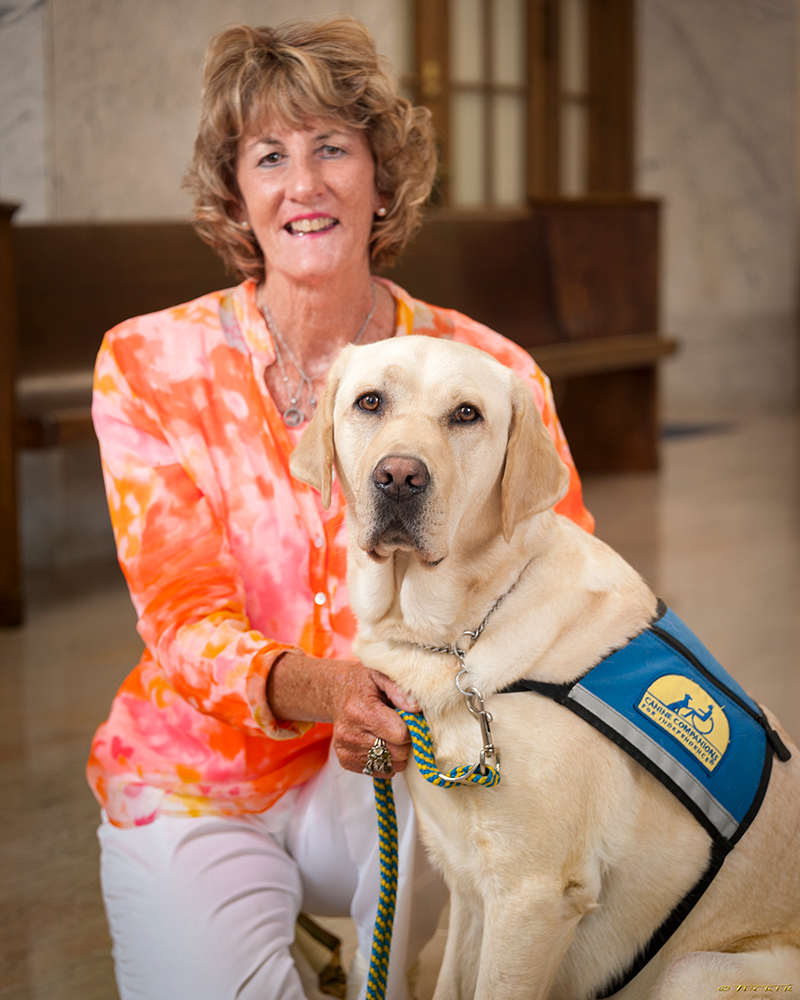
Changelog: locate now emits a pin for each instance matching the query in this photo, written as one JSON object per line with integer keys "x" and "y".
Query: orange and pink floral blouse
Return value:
{"x": 229, "y": 560}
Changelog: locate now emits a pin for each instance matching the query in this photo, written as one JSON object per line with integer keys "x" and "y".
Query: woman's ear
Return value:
{"x": 534, "y": 477}
{"x": 236, "y": 212}
{"x": 312, "y": 459}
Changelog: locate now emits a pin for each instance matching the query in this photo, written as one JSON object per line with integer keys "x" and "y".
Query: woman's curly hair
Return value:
{"x": 293, "y": 74}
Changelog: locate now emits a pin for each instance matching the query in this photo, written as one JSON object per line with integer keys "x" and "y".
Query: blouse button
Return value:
{"x": 320, "y": 598}
{"x": 318, "y": 541}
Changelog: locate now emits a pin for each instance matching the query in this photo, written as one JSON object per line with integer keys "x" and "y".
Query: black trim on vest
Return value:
{"x": 719, "y": 851}
{"x": 558, "y": 692}
{"x": 761, "y": 791}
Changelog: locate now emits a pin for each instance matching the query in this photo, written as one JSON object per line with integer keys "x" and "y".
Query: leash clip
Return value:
{"x": 474, "y": 700}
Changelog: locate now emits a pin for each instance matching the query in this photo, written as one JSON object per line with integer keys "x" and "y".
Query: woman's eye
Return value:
{"x": 332, "y": 150}
{"x": 270, "y": 159}
{"x": 466, "y": 414}
{"x": 370, "y": 402}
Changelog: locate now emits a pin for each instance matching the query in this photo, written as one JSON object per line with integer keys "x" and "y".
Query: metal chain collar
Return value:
{"x": 472, "y": 696}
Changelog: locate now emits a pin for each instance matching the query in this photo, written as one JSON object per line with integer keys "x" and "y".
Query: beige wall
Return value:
{"x": 109, "y": 114}
{"x": 126, "y": 81}
{"x": 716, "y": 130}
{"x": 24, "y": 142}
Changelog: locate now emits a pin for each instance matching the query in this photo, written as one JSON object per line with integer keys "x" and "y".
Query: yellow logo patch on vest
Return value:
{"x": 690, "y": 715}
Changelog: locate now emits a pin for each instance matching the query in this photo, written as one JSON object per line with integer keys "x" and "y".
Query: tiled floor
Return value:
{"x": 716, "y": 533}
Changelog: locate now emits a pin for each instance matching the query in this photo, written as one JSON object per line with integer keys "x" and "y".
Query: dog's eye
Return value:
{"x": 466, "y": 414}
{"x": 370, "y": 402}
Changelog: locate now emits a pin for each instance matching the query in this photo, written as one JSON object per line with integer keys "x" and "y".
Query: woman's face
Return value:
{"x": 309, "y": 195}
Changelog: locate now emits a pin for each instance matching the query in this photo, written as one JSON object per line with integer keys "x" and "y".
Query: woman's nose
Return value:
{"x": 305, "y": 179}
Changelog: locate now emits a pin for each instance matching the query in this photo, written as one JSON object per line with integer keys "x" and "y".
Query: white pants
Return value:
{"x": 205, "y": 908}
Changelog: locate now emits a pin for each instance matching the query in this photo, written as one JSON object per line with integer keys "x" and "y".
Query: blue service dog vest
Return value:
{"x": 667, "y": 702}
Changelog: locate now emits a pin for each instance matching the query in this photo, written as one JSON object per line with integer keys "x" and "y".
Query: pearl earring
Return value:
{"x": 245, "y": 224}
{"x": 381, "y": 211}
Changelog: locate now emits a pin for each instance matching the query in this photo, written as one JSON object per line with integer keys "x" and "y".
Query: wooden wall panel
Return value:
{"x": 77, "y": 281}
{"x": 604, "y": 255}
{"x": 10, "y": 589}
{"x": 611, "y": 96}
{"x": 543, "y": 99}
{"x": 432, "y": 71}
{"x": 611, "y": 420}
{"x": 489, "y": 265}
{"x": 565, "y": 270}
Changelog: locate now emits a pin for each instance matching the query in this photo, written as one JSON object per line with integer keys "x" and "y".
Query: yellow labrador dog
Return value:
{"x": 561, "y": 874}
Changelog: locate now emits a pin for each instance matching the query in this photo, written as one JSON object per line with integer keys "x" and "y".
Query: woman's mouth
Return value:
{"x": 303, "y": 227}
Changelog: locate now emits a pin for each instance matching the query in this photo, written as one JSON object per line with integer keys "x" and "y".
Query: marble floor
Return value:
{"x": 716, "y": 533}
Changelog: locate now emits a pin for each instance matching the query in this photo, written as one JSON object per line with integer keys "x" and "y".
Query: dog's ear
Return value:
{"x": 534, "y": 477}
{"x": 312, "y": 459}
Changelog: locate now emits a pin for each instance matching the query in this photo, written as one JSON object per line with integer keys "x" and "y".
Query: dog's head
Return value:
{"x": 429, "y": 438}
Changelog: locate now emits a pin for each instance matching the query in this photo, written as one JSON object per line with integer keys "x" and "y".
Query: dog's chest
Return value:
{"x": 481, "y": 835}
{"x": 456, "y": 830}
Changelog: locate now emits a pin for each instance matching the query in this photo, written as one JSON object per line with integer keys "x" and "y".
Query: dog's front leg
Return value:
{"x": 525, "y": 938}
{"x": 459, "y": 971}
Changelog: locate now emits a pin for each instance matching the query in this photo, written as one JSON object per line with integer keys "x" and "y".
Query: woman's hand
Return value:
{"x": 344, "y": 692}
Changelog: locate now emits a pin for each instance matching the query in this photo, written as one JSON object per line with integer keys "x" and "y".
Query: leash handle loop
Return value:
{"x": 479, "y": 774}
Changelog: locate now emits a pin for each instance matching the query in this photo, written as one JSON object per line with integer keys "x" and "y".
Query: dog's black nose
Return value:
{"x": 401, "y": 477}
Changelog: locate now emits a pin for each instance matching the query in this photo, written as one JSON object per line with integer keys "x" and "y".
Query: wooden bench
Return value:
{"x": 75, "y": 281}
{"x": 574, "y": 282}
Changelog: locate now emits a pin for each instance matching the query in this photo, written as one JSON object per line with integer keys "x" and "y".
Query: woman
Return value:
{"x": 223, "y": 812}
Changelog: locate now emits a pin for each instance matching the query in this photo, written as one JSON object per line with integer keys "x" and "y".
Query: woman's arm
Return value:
{"x": 347, "y": 694}
{"x": 184, "y": 581}
{"x": 187, "y": 590}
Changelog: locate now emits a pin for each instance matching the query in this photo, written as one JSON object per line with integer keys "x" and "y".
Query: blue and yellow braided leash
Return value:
{"x": 384, "y": 919}
{"x": 426, "y": 762}
{"x": 387, "y": 836}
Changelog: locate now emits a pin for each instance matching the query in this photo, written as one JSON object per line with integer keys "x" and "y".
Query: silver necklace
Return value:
{"x": 293, "y": 415}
